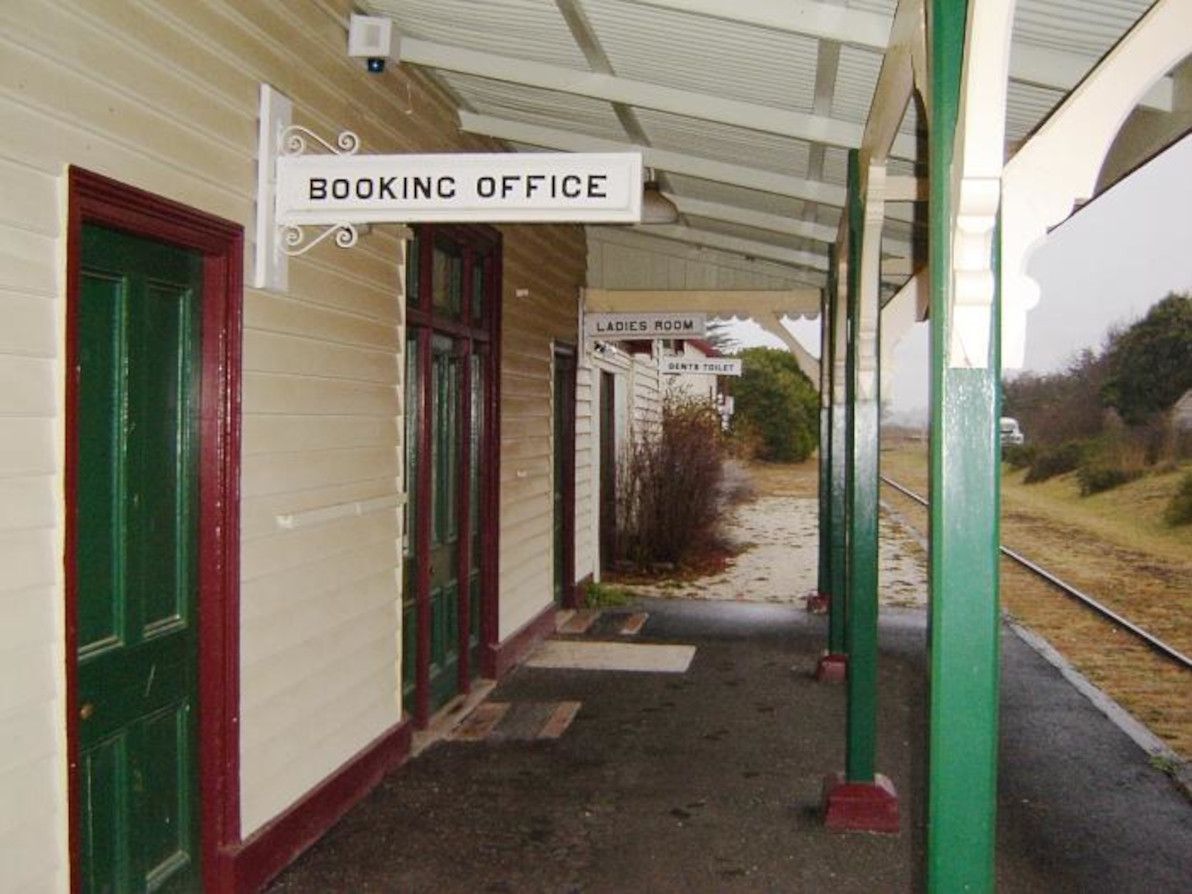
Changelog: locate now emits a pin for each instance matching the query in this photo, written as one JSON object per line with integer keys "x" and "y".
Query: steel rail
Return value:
{"x": 1154, "y": 642}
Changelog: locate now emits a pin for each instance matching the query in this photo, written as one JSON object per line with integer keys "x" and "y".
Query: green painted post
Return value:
{"x": 962, "y": 771}
{"x": 860, "y": 755}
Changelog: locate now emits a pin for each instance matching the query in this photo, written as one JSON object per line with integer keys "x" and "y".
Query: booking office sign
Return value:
{"x": 523, "y": 187}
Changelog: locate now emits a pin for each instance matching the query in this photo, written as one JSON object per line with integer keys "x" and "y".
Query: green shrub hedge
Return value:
{"x": 1054, "y": 461}
{"x": 1179, "y": 508}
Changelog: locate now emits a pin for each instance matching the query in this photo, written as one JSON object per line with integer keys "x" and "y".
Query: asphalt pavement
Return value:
{"x": 710, "y": 779}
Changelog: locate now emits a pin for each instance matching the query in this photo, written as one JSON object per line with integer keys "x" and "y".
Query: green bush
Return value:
{"x": 1179, "y": 508}
{"x": 776, "y": 408}
{"x": 1097, "y": 474}
{"x": 1118, "y": 455}
{"x": 1055, "y": 461}
{"x": 667, "y": 484}
{"x": 601, "y": 595}
{"x": 1019, "y": 456}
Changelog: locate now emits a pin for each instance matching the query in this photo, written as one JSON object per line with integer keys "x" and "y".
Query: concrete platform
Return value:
{"x": 711, "y": 780}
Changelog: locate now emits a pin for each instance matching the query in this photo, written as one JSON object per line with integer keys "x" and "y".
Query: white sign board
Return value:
{"x": 521, "y": 187}
{"x": 613, "y": 326}
{"x": 701, "y": 366}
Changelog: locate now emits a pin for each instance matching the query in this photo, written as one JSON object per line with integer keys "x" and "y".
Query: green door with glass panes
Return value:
{"x": 135, "y": 560}
{"x": 445, "y": 431}
{"x": 446, "y": 370}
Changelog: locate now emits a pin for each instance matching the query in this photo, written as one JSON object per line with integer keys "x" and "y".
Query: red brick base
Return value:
{"x": 860, "y": 806}
{"x": 817, "y": 603}
{"x": 832, "y": 668}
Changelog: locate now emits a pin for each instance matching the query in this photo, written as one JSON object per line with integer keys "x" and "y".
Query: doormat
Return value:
{"x": 516, "y": 721}
{"x": 640, "y": 657}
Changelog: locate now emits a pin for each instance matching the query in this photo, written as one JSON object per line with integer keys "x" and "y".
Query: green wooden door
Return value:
{"x": 136, "y": 563}
{"x": 445, "y": 382}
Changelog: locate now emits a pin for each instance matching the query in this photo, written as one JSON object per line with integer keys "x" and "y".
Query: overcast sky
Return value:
{"x": 1106, "y": 265}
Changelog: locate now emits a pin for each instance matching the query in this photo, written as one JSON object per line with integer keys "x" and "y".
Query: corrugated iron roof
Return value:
{"x": 757, "y": 88}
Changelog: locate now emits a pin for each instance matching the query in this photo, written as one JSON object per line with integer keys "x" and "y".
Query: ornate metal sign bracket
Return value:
{"x": 295, "y": 141}
{"x": 278, "y": 240}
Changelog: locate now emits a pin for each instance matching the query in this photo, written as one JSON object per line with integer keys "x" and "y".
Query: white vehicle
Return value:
{"x": 1011, "y": 433}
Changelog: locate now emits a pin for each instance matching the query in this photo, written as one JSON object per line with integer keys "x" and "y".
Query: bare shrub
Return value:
{"x": 1057, "y": 407}
{"x": 667, "y": 507}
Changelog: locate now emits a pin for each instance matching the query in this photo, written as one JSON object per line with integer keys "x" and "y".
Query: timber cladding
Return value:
{"x": 163, "y": 97}
{"x": 544, "y": 270}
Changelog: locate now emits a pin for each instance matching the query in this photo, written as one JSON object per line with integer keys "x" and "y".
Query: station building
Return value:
{"x": 252, "y": 538}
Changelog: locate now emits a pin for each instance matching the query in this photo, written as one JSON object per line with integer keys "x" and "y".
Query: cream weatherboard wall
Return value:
{"x": 544, "y": 272}
{"x": 637, "y": 398}
{"x": 163, "y": 96}
{"x": 586, "y": 468}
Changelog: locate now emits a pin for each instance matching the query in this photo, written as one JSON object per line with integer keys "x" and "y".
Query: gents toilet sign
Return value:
{"x": 524, "y": 187}
{"x": 621, "y": 326}
{"x": 704, "y": 366}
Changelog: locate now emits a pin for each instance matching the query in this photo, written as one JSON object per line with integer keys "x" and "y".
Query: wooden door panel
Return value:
{"x": 98, "y": 559}
{"x": 136, "y": 561}
{"x": 105, "y": 773}
{"x": 163, "y": 761}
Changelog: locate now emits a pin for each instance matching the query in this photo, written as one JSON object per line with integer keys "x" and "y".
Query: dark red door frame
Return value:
{"x": 482, "y": 339}
{"x": 567, "y": 354}
{"x": 94, "y": 199}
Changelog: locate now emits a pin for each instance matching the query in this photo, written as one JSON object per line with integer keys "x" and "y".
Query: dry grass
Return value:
{"x": 1114, "y": 547}
{"x": 785, "y": 479}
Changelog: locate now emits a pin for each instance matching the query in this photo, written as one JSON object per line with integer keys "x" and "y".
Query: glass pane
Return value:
{"x": 479, "y": 283}
{"x": 413, "y": 417}
{"x": 477, "y": 409}
{"x": 445, "y": 436}
{"x": 447, "y": 283}
{"x": 413, "y": 266}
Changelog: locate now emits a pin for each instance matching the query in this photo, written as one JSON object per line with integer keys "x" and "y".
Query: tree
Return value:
{"x": 1054, "y": 408}
{"x": 776, "y": 401}
{"x": 1150, "y": 363}
{"x": 719, "y": 335}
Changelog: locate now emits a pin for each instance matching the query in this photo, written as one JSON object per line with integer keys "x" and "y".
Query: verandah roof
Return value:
{"x": 745, "y": 109}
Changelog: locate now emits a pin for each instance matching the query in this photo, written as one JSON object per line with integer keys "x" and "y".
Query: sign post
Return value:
{"x": 633, "y": 326}
{"x": 704, "y": 366}
{"x": 338, "y": 190}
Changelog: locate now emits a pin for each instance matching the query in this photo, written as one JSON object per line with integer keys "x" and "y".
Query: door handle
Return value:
{"x": 86, "y": 711}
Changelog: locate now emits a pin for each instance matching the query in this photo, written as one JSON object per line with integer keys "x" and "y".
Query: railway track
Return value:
{"x": 1153, "y": 642}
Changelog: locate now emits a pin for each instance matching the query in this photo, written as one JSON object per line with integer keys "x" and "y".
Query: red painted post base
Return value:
{"x": 817, "y": 603}
{"x": 860, "y": 806}
{"x": 832, "y": 668}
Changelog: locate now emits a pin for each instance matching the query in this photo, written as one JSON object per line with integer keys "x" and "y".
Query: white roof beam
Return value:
{"x": 1040, "y": 66}
{"x": 895, "y": 85}
{"x": 747, "y": 247}
{"x": 776, "y": 223}
{"x": 822, "y": 20}
{"x": 614, "y": 89}
{"x": 747, "y": 217}
{"x": 802, "y": 302}
{"x": 1059, "y": 70}
{"x": 777, "y": 275}
{"x": 676, "y": 162}
{"x": 808, "y": 364}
